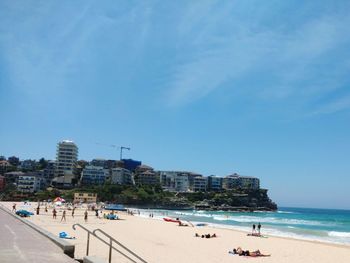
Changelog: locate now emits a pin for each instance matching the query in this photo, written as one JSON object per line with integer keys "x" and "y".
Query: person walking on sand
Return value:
{"x": 86, "y": 216}
{"x": 46, "y": 209}
{"x": 73, "y": 210}
{"x": 253, "y": 231}
{"x": 14, "y": 207}
{"x": 259, "y": 227}
{"x": 38, "y": 210}
{"x": 64, "y": 216}
{"x": 54, "y": 213}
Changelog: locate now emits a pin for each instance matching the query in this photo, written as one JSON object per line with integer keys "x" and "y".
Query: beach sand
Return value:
{"x": 163, "y": 242}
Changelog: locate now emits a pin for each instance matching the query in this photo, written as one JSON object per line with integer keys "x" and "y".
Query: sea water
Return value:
{"x": 325, "y": 225}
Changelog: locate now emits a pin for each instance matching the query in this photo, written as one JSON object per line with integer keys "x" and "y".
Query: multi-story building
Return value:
{"x": 2, "y": 182}
{"x": 237, "y": 181}
{"x": 99, "y": 162}
{"x": 66, "y": 158}
{"x": 49, "y": 171}
{"x": 29, "y": 183}
{"x": 85, "y": 197}
{"x": 145, "y": 175}
{"x": 167, "y": 180}
{"x": 174, "y": 181}
{"x": 122, "y": 176}
{"x": 67, "y": 181}
{"x": 107, "y": 164}
{"x": 200, "y": 184}
{"x": 147, "y": 178}
{"x": 12, "y": 177}
{"x": 214, "y": 183}
{"x": 231, "y": 181}
{"x": 249, "y": 182}
{"x": 191, "y": 177}
{"x": 94, "y": 175}
{"x": 182, "y": 183}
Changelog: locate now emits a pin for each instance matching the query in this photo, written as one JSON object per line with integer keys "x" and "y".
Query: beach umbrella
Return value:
{"x": 59, "y": 199}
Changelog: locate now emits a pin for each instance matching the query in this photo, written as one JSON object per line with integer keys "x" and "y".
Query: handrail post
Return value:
{"x": 110, "y": 250}
{"x": 88, "y": 244}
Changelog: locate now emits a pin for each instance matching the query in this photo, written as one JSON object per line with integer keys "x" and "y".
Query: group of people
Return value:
{"x": 63, "y": 218}
{"x": 205, "y": 236}
{"x": 256, "y": 232}
{"x": 239, "y": 251}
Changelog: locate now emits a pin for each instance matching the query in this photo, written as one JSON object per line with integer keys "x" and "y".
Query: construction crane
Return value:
{"x": 115, "y": 146}
{"x": 121, "y": 151}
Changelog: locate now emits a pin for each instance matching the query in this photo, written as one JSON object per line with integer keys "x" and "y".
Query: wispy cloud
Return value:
{"x": 300, "y": 62}
{"x": 39, "y": 58}
{"x": 334, "y": 106}
{"x": 44, "y": 52}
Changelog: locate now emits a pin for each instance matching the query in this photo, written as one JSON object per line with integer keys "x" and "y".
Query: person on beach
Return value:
{"x": 64, "y": 216}
{"x": 86, "y": 216}
{"x": 239, "y": 251}
{"x": 253, "y": 231}
{"x": 259, "y": 227}
{"x": 54, "y": 213}
{"x": 182, "y": 224}
{"x": 14, "y": 207}
{"x": 73, "y": 210}
{"x": 38, "y": 210}
{"x": 46, "y": 209}
{"x": 205, "y": 236}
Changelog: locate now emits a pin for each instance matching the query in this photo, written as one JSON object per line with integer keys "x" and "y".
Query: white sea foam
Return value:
{"x": 222, "y": 218}
{"x": 275, "y": 220}
{"x": 285, "y": 212}
{"x": 192, "y": 214}
{"x": 339, "y": 234}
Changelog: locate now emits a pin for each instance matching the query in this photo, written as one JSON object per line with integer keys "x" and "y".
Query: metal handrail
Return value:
{"x": 109, "y": 244}
{"x": 111, "y": 239}
{"x": 88, "y": 237}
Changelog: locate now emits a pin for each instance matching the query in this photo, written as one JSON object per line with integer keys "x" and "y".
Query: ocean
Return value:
{"x": 325, "y": 225}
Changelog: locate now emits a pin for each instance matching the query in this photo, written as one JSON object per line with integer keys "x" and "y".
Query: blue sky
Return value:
{"x": 216, "y": 87}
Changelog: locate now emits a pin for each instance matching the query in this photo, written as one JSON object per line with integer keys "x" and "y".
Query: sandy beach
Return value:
{"x": 160, "y": 241}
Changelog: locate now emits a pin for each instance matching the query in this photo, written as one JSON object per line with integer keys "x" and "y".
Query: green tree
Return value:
{"x": 42, "y": 163}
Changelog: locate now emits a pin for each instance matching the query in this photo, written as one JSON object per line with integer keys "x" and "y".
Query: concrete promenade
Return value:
{"x": 20, "y": 243}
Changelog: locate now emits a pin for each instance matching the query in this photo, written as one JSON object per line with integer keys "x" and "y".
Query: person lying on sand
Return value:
{"x": 239, "y": 251}
{"x": 205, "y": 236}
{"x": 254, "y": 235}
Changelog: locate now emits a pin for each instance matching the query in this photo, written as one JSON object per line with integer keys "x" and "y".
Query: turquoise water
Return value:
{"x": 323, "y": 225}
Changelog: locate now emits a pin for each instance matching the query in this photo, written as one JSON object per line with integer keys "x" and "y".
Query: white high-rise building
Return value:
{"x": 66, "y": 158}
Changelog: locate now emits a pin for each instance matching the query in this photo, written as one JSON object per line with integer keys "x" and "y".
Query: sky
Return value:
{"x": 260, "y": 88}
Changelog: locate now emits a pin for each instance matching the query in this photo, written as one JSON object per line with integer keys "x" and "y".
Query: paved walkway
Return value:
{"x": 20, "y": 243}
